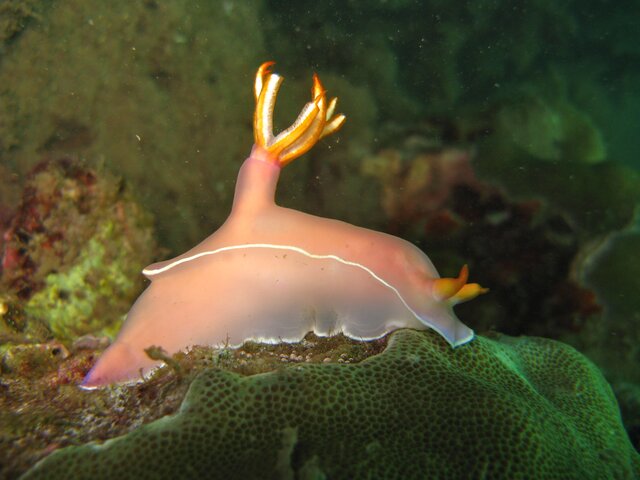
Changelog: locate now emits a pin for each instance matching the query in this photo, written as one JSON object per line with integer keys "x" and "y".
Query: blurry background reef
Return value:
{"x": 487, "y": 133}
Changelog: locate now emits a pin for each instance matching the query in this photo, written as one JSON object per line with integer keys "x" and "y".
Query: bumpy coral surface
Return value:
{"x": 497, "y": 408}
{"x": 42, "y": 409}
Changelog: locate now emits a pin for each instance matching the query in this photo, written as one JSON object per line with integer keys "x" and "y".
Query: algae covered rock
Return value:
{"x": 496, "y": 408}
{"x": 161, "y": 91}
{"x": 72, "y": 253}
{"x": 548, "y": 130}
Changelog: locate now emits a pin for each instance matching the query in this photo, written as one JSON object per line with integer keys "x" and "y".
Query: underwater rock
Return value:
{"x": 73, "y": 252}
{"x": 546, "y": 130}
{"x": 418, "y": 186}
{"x": 596, "y": 198}
{"x": 24, "y": 359}
{"x": 522, "y": 249}
{"x": 9, "y": 198}
{"x": 152, "y": 82}
{"x": 612, "y": 269}
{"x": 15, "y": 15}
{"x": 499, "y": 408}
{"x": 628, "y": 395}
{"x": 42, "y": 409}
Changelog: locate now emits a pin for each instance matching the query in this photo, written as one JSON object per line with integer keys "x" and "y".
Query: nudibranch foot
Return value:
{"x": 273, "y": 274}
{"x": 115, "y": 364}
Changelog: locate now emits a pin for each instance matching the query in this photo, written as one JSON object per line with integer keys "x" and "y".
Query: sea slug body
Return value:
{"x": 273, "y": 274}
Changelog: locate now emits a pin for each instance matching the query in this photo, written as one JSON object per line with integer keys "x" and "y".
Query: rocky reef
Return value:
{"x": 71, "y": 255}
{"x": 42, "y": 409}
{"x": 502, "y": 408}
{"x": 122, "y": 126}
{"x": 107, "y": 106}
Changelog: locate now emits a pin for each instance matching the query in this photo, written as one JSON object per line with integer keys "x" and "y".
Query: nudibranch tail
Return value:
{"x": 314, "y": 122}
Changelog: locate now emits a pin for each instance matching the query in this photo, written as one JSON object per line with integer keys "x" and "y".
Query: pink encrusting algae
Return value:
{"x": 273, "y": 274}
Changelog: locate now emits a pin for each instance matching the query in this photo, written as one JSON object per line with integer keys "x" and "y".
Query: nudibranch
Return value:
{"x": 272, "y": 274}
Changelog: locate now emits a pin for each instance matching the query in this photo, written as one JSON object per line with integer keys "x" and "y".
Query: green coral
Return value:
{"x": 77, "y": 301}
{"x": 496, "y": 408}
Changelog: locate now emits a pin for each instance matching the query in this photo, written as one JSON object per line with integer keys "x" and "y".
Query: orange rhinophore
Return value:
{"x": 273, "y": 274}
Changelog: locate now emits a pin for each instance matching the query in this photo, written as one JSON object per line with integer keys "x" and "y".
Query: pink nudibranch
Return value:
{"x": 272, "y": 274}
